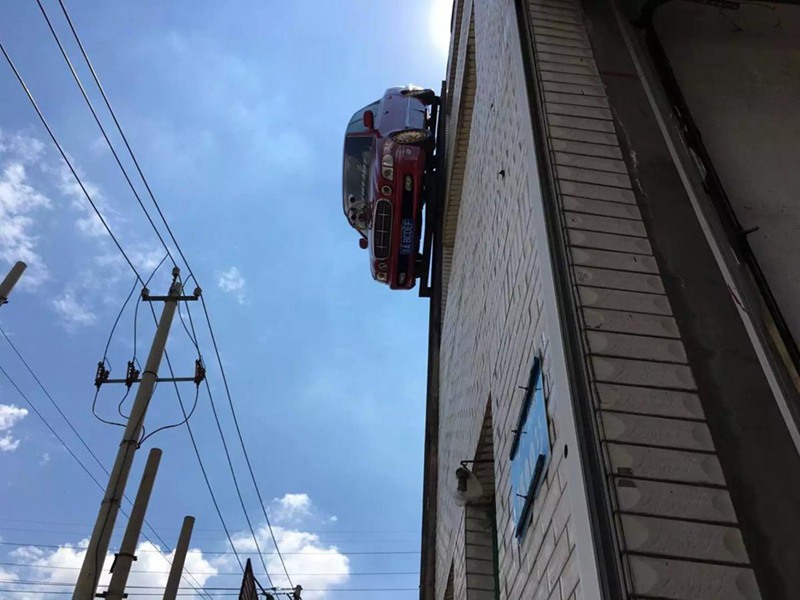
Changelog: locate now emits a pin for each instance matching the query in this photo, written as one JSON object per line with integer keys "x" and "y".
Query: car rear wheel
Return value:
{"x": 412, "y": 137}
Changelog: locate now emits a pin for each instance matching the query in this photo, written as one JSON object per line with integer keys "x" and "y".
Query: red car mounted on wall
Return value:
{"x": 387, "y": 150}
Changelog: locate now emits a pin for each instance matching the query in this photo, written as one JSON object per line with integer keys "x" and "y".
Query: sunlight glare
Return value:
{"x": 440, "y": 25}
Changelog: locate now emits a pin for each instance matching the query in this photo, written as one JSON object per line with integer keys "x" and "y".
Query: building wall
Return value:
{"x": 740, "y": 74}
{"x": 500, "y": 311}
{"x": 676, "y": 526}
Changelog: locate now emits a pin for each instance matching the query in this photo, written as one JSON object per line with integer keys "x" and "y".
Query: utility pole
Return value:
{"x": 123, "y": 561}
{"x": 89, "y": 576}
{"x": 171, "y": 591}
{"x": 11, "y": 280}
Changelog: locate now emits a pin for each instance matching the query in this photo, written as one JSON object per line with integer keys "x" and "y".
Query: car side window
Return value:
{"x": 357, "y": 122}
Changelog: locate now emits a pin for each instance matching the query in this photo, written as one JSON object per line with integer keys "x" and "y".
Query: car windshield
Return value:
{"x": 356, "y": 171}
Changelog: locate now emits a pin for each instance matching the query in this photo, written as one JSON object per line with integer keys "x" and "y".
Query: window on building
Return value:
{"x": 530, "y": 450}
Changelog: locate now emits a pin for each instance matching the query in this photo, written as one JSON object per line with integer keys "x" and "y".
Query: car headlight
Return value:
{"x": 387, "y": 160}
{"x": 388, "y": 173}
{"x": 382, "y": 276}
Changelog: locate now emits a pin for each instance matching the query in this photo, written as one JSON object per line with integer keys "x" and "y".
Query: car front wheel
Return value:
{"x": 412, "y": 137}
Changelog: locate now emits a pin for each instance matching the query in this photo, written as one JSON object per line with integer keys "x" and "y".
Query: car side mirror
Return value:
{"x": 369, "y": 120}
{"x": 363, "y": 243}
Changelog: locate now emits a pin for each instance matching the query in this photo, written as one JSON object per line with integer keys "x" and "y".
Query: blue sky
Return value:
{"x": 236, "y": 113}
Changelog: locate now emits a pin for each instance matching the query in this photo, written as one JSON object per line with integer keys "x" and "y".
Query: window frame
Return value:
{"x": 532, "y": 434}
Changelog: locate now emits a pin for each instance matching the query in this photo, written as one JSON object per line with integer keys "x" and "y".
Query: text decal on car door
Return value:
{"x": 406, "y": 236}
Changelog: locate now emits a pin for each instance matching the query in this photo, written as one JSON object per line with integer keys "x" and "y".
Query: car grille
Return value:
{"x": 382, "y": 236}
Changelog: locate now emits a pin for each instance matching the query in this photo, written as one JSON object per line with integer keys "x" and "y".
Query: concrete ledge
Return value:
{"x": 682, "y": 580}
{"x": 653, "y": 304}
{"x": 643, "y": 373}
{"x": 633, "y": 323}
{"x": 664, "y": 464}
{"x": 655, "y": 431}
{"x": 654, "y": 402}
{"x": 674, "y": 500}
{"x": 607, "y": 241}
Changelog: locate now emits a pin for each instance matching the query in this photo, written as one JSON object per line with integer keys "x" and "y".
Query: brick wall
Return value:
{"x": 678, "y": 537}
{"x": 500, "y": 312}
{"x": 676, "y": 526}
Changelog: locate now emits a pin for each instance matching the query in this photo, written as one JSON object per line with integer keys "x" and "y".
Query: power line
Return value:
{"x": 77, "y": 524}
{"x": 88, "y": 196}
{"x": 197, "y": 453}
{"x": 124, "y": 138}
{"x": 206, "y": 589}
{"x": 66, "y": 160}
{"x": 166, "y": 224}
{"x": 54, "y": 403}
{"x": 102, "y": 129}
{"x": 207, "y": 481}
{"x": 152, "y": 224}
{"x": 53, "y": 431}
{"x": 193, "y": 338}
{"x": 238, "y": 429}
{"x": 75, "y": 175}
{"x": 217, "y": 595}
{"x": 75, "y": 431}
{"x": 238, "y": 489}
{"x": 228, "y": 552}
{"x": 220, "y": 573}
{"x": 213, "y": 538}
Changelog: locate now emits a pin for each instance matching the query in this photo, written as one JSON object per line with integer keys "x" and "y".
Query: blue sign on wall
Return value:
{"x": 530, "y": 450}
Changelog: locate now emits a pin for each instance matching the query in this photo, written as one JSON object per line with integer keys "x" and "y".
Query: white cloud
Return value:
{"x": 7, "y": 575}
{"x": 292, "y": 507}
{"x": 19, "y": 204}
{"x": 72, "y": 311}
{"x": 303, "y": 552}
{"x": 146, "y": 259}
{"x": 89, "y": 223}
{"x": 45, "y": 458}
{"x": 10, "y": 415}
{"x": 99, "y": 146}
{"x": 232, "y": 282}
{"x": 61, "y": 567}
{"x": 28, "y": 149}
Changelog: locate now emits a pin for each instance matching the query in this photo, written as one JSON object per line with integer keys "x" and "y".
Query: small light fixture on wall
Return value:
{"x": 469, "y": 488}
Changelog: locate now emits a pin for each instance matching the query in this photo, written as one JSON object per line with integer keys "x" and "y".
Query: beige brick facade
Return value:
{"x": 497, "y": 317}
{"x": 675, "y": 528}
